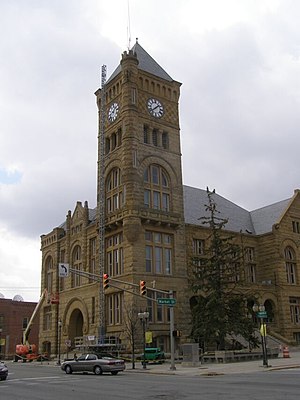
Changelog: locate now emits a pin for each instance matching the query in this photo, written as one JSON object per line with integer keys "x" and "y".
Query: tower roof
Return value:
{"x": 146, "y": 63}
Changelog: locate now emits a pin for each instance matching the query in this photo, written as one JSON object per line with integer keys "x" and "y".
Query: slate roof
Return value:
{"x": 263, "y": 218}
{"x": 256, "y": 222}
{"x": 146, "y": 63}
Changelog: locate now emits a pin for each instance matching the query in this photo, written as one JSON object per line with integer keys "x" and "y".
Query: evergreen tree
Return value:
{"x": 219, "y": 307}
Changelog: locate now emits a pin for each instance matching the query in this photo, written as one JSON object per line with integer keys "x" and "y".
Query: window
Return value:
{"x": 296, "y": 226}
{"x": 47, "y": 319}
{"x": 146, "y": 134}
{"x": 107, "y": 145}
{"x": 155, "y": 137}
{"x": 250, "y": 273}
{"x": 250, "y": 265}
{"x": 114, "y": 309}
{"x": 157, "y": 313}
{"x": 165, "y": 140}
{"x": 119, "y": 137}
{"x": 295, "y": 310}
{"x": 114, "y": 191}
{"x": 296, "y": 336}
{"x": 93, "y": 310}
{"x": 156, "y": 190}
{"x": 158, "y": 253}
{"x": 92, "y": 259}
{"x": 198, "y": 247}
{"x": 25, "y": 322}
{"x": 249, "y": 254}
{"x": 290, "y": 265}
{"x": 114, "y": 255}
{"x": 113, "y": 141}
{"x": 49, "y": 274}
{"x": 77, "y": 266}
{"x": 234, "y": 272}
{"x": 133, "y": 95}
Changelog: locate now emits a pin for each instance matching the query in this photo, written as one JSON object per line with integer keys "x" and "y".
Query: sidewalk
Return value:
{"x": 220, "y": 369}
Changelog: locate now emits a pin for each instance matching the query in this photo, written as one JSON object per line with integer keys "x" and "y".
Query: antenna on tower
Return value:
{"x": 128, "y": 27}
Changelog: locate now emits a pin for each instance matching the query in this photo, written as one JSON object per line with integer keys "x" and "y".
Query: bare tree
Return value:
{"x": 132, "y": 328}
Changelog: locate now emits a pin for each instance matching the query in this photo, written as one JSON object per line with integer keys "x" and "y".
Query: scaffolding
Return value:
{"x": 101, "y": 204}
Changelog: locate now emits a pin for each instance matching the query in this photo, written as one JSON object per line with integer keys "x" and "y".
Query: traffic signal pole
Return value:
{"x": 172, "y": 340}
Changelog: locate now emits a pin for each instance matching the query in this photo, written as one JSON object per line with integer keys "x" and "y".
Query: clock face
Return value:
{"x": 113, "y": 112}
{"x": 155, "y": 108}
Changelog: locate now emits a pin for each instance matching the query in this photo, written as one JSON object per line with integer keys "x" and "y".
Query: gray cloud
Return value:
{"x": 239, "y": 101}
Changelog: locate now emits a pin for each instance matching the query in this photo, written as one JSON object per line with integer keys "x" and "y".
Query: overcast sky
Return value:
{"x": 238, "y": 61}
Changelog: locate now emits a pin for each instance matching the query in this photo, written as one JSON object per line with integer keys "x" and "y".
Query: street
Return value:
{"x": 48, "y": 382}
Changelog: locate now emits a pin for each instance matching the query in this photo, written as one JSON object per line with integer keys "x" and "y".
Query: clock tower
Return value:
{"x": 144, "y": 216}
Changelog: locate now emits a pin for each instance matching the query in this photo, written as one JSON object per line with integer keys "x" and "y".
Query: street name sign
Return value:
{"x": 166, "y": 301}
{"x": 262, "y": 314}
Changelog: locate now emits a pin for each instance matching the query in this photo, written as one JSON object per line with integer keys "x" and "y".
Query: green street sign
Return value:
{"x": 262, "y": 314}
{"x": 166, "y": 301}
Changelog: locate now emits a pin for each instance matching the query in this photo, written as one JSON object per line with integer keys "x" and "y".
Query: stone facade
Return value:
{"x": 148, "y": 230}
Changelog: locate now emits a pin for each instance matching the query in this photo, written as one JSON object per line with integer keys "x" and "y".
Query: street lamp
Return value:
{"x": 59, "y": 340}
{"x": 0, "y": 342}
{"x": 260, "y": 312}
{"x": 143, "y": 316}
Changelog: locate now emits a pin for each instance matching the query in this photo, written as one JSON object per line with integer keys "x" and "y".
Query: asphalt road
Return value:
{"x": 48, "y": 382}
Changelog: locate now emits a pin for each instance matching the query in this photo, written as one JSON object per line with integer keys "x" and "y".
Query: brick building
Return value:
{"x": 152, "y": 226}
{"x": 14, "y": 317}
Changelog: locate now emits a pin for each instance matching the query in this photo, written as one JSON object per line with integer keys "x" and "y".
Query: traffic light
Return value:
{"x": 176, "y": 333}
{"x": 105, "y": 281}
{"x": 143, "y": 289}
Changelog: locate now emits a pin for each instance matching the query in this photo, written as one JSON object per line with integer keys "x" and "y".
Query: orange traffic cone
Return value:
{"x": 286, "y": 352}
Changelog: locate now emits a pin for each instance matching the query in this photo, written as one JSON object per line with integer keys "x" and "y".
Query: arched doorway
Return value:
{"x": 75, "y": 325}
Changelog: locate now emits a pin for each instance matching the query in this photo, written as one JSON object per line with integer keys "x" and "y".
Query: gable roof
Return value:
{"x": 146, "y": 63}
{"x": 264, "y": 218}
{"x": 257, "y": 222}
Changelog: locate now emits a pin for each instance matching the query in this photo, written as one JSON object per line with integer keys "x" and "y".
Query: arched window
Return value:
{"x": 115, "y": 197}
{"x": 77, "y": 266}
{"x": 156, "y": 188}
{"x": 49, "y": 274}
{"x": 290, "y": 265}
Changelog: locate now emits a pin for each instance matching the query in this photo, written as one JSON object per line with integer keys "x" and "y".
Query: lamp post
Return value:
{"x": 0, "y": 343}
{"x": 261, "y": 314}
{"x": 59, "y": 340}
{"x": 143, "y": 316}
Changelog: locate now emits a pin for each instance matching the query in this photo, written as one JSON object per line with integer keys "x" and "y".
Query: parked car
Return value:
{"x": 95, "y": 363}
{"x": 153, "y": 354}
{"x": 3, "y": 371}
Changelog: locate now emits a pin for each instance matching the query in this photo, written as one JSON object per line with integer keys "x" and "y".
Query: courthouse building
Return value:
{"x": 152, "y": 228}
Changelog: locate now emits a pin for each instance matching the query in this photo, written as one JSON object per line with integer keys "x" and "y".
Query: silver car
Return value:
{"x": 3, "y": 371}
{"x": 93, "y": 363}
